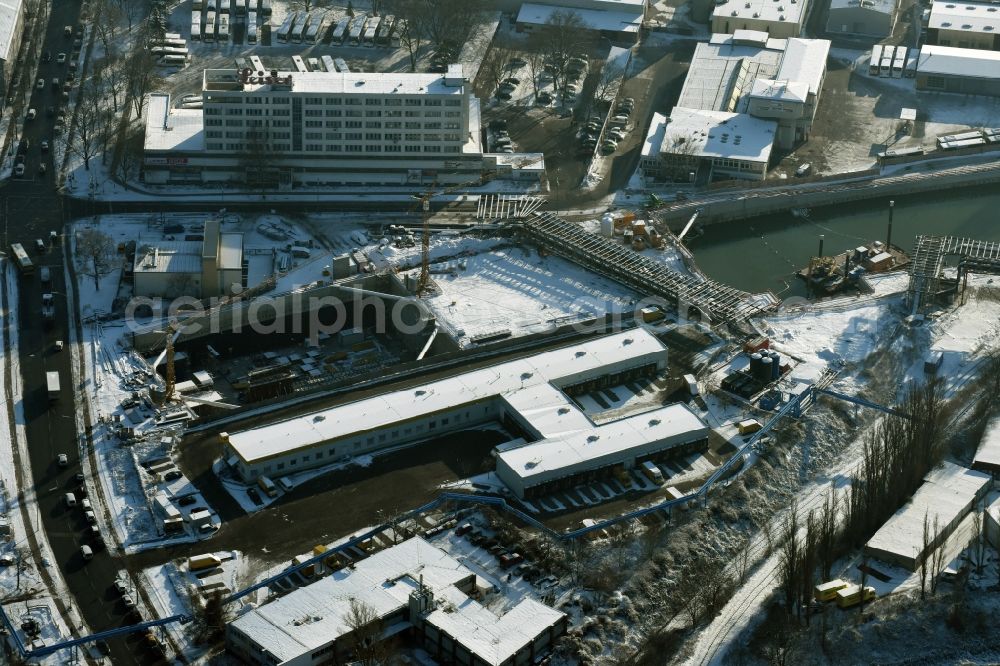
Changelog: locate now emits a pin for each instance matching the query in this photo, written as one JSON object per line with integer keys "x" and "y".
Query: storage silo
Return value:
{"x": 755, "y": 359}
{"x": 608, "y": 225}
{"x": 765, "y": 370}
{"x": 775, "y": 365}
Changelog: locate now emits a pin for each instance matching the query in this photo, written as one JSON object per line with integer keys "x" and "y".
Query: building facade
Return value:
{"x": 866, "y": 18}
{"x": 957, "y": 70}
{"x": 11, "y": 32}
{"x": 283, "y": 129}
{"x": 964, "y": 25}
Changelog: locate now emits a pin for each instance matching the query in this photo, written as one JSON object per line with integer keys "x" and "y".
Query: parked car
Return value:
{"x": 63, "y": 460}
{"x": 41, "y": 84}
{"x": 608, "y": 147}
{"x": 187, "y": 500}
{"x": 61, "y": 59}
{"x": 254, "y": 495}
{"x": 31, "y": 114}
{"x": 803, "y": 170}
{"x": 544, "y": 98}
{"x": 172, "y": 475}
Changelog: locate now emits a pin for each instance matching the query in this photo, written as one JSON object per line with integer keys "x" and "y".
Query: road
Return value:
{"x": 31, "y": 208}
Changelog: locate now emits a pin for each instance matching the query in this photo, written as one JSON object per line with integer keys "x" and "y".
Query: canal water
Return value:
{"x": 763, "y": 253}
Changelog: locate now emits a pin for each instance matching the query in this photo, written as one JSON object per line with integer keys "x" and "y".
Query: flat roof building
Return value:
{"x": 610, "y": 18}
{"x": 987, "y": 457}
{"x": 958, "y": 70}
{"x": 529, "y": 395}
{"x": 281, "y": 129}
{"x": 412, "y": 586}
{"x": 11, "y": 32}
{"x": 777, "y": 18}
{"x": 947, "y": 495}
{"x": 744, "y": 94}
{"x": 169, "y": 268}
{"x": 866, "y": 18}
{"x": 965, "y": 25}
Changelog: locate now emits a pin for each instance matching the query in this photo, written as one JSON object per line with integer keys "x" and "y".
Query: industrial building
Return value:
{"x": 965, "y": 25}
{"x": 281, "y": 129}
{"x": 170, "y": 268}
{"x": 745, "y": 94}
{"x": 11, "y": 31}
{"x": 779, "y": 19}
{"x": 414, "y": 589}
{"x": 957, "y": 70}
{"x": 531, "y": 397}
{"x": 865, "y": 18}
{"x": 987, "y": 457}
{"x": 947, "y": 495}
{"x": 610, "y": 18}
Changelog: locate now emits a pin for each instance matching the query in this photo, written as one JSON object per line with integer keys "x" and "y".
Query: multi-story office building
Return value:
{"x": 320, "y": 128}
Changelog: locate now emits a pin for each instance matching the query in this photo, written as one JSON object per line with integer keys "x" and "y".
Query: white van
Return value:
{"x": 46, "y": 274}
{"x": 85, "y": 503}
{"x": 70, "y": 499}
{"x": 286, "y": 484}
{"x": 86, "y": 553}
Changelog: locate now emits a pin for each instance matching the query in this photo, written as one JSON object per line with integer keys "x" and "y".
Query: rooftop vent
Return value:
{"x": 781, "y": 18}
{"x": 945, "y": 24}
{"x": 627, "y": 341}
{"x": 991, "y": 9}
{"x": 654, "y": 422}
{"x": 526, "y": 375}
{"x": 756, "y": 14}
{"x": 420, "y": 392}
{"x": 593, "y": 438}
{"x": 970, "y": 8}
{"x": 735, "y": 13}
{"x": 987, "y": 28}
{"x": 580, "y": 353}
{"x": 531, "y": 464}
{"x": 747, "y": 5}
{"x": 564, "y": 410}
{"x": 950, "y": 6}
{"x": 318, "y": 418}
{"x": 966, "y": 26}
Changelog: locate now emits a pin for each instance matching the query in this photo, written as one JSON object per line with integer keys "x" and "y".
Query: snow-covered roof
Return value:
{"x": 601, "y": 446}
{"x": 951, "y": 61}
{"x": 988, "y": 455}
{"x": 718, "y": 134}
{"x": 946, "y": 492}
{"x": 10, "y": 10}
{"x": 785, "y": 91}
{"x": 313, "y": 616}
{"x": 494, "y": 639}
{"x": 230, "y": 251}
{"x": 654, "y": 137}
{"x": 166, "y": 256}
{"x": 536, "y": 373}
{"x": 338, "y": 83}
{"x": 781, "y": 11}
{"x": 627, "y": 20}
{"x": 172, "y": 129}
{"x": 722, "y": 68}
{"x": 804, "y": 61}
{"x": 879, "y": 6}
{"x": 964, "y": 16}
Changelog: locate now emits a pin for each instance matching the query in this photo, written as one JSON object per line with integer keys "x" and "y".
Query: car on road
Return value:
{"x": 128, "y": 601}
{"x": 63, "y": 460}
{"x": 31, "y": 114}
{"x": 47, "y": 56}
{"x": 42, "y": 169}
{"x": 45, "y": 146}
{"x": 79, "y": 475}
{"x": 803, "y": 170}
{"x": 19, "y": 171}
{"x": 172, "y": 475}
{"x": 61, "y": 59}
{"x": 91, "y": 518}
{"x": 41, "y": 84}
{"x": 608, "y": 147}
{"x": 121, "y": 585}
{"x": 102, "y": 647}
{"x": 68, "y": 31}
{"x": 87, "y": 553}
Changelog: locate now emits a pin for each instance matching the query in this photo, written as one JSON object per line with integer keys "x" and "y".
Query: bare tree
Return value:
{"x": 210, "y": 617}
{"x": 534, "y": 57}
{"x": 130, "y": 156}
{"x": 416, "y": 15}
{"x": 607, "y": 83}
{"x": 743, "y": 561}
{"x": 141, "y": 78}
{"x": 978, "y": 544}
{"x": 366, "y": 633}
{"x": 111, "y": 71}
{"x": 826, "y": 548}
{"x": 563, "y": 34}
{"x": 130, "y": 10}
{"x": 85, "y": 138}
{"x": 307, "y": 5}
{"x": 110, "y": 17}
{"x": 95, "y": 254}
{"x": 937, "y": 556}
{"x": 789, "y": 558}
{"x": 925, "y": 544}
{"x": 496, "y": 66}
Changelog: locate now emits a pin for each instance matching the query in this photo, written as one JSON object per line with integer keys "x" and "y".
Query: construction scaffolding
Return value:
{"x": 495, "y": 207}
{"x": 693, "y": 297}
{"x": 927, "y": 281}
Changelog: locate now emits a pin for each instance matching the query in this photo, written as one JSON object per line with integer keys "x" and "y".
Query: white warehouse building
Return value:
{"x": 280, "y": 129}
{"x": 212, "y": 266}
{"x": 529, "y": 396}
{"x": 778, "y": 18}
{"x": 745, "y": 94}
{"x": 412, "y": 587}
{"x": 869, "y": 18}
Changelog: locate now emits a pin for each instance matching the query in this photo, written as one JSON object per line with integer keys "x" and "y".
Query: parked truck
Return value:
{"x": 828, "y": 591}
{"x": 852, "y": 595}
{"x": 48, "y": 309}
{"x": 653, "y": 472}
{"x": 52, "y": 383}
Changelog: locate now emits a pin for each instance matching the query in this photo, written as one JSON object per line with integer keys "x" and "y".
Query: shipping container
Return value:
{"x": 286, "y": 26}
{"x": 340, "y": 30}
{"x": 371, "y": 29}
{"x": 876, "y": 60}
{"x": 828, "y": 591}
{"x": 199, "y": 562}
{"x": 257, "y": 64}
{"x": 748, "y": 426}
{"x": 933, "y": 361}
{"x": 675, "y": 494}
{"x": 899, "y": 62}
{"x": 885, "y": 67}
{"x": 852, "y": 595}
{"x": 195, "y": 25}
{"x": 299, "y": 28}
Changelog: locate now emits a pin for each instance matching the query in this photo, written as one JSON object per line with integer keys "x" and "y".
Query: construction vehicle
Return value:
{"x": 199, "y": 562}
